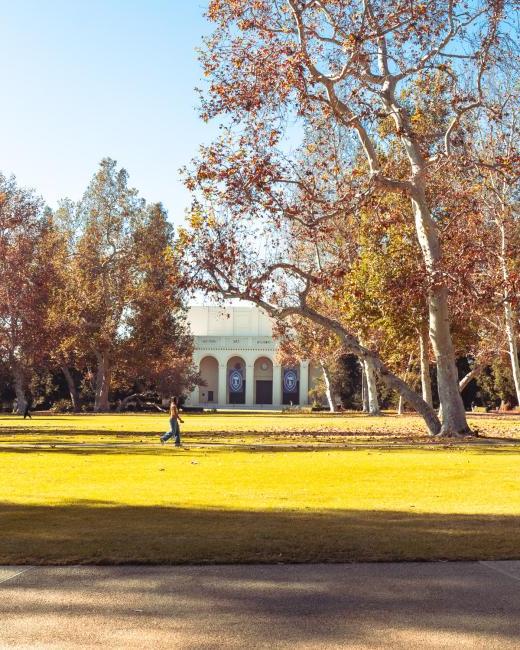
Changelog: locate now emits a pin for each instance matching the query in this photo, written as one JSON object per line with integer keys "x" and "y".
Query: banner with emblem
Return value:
{"x": 290, "y": 381}
{"x": 236, "y": 381}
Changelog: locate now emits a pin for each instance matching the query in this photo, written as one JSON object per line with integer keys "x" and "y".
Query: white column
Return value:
{"x": 277, "y": 384}
{"x": 304, "y": 383}
{"x": 222, "y": 384}
{"x": 193, "y": 397}
{"x": 250, "y": 382}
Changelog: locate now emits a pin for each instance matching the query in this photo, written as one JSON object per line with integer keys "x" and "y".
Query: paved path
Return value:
{"x": 414, "y": 605}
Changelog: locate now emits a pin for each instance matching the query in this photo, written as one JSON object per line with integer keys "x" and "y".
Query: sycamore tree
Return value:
{"x": 277, "y": 66}
{"x": 302, "y": 340}
{"x": 65, "y": 349}
{"x": 26, "y": 271}
{"x": 497, "y": 173}
{"x": 121, "y": 301}
{"x": 156, "y": 351}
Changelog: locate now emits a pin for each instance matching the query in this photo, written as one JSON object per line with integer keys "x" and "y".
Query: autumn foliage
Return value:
{"x": 347, "y": 185}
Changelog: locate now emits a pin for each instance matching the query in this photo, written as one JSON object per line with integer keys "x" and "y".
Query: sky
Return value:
{"x": 86, "y": 79}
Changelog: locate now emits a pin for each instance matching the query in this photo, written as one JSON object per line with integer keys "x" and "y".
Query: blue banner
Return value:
{"x": 290, "y": 381}
{"x": 236, "y": 381}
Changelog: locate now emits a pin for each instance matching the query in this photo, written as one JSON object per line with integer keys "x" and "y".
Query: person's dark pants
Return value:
{"x": 26, "y": 413}
{"x": 174, "y": 431}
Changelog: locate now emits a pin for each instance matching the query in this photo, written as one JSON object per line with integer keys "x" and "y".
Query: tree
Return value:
{"x": 107, "y": 214}
{"x": 122, "y": 298}
{"x": 157, "y": 351}
{"x": 360, "y": 66}
{"x": 26, "y": 272}
{"x": 497, "y": 172}
{"x": 63, "y": 337}
{"x": 301, "y": 340}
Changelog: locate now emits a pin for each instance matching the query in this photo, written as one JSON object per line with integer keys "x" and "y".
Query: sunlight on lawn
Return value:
{"x": 425, "y": 481}
{"x": 148, "y": 503}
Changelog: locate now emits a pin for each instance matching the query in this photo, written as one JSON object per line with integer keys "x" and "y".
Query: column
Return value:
{"x": 193, "y": 397}
{"x": 277, "y": 384}
{"x": 250, "y": 383}
{"x": 222, "y": 384}
{"x": 304, "y": 383}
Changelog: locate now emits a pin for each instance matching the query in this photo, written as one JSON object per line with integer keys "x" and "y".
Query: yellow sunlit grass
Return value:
{"x": 218, "y": 426}
{"x": 82, "y": 496}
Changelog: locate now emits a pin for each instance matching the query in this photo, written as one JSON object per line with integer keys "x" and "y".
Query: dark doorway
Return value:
{"x": 292, "y": 398}
{"x": 264, "y": 391}
{"x": 238, "y": 397}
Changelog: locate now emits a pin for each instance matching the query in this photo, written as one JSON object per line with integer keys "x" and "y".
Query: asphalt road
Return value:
{"x": 387, "y": 605}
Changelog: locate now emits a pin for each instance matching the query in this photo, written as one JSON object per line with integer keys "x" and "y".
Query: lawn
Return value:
{"x": 255, "y": 488}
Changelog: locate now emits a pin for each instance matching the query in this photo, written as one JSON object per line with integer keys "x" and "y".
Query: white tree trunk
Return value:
{"x": 452, "y": 407}
{"x": 475, "y": 372}
{"x": 364, "y": 390}
{"x": 328, "y": 390}
{"x": 370, "y": 374}
{"x": 513, "y": 347}
{"x": 426, "y": 384}
{"x": 400, "y": 405}
{"x": 454, "y": 417}
{"x": 101, "y": 403}
{"x": 351, "y": 344}
{"x": 509, "y": 318}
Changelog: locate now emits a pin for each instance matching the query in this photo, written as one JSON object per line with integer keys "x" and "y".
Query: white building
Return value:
{"x": 236, "y": 354}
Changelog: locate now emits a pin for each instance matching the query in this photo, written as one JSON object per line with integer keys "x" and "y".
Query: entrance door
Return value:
{"x": 238, "y": 397}
{"x": 264, "y": 391}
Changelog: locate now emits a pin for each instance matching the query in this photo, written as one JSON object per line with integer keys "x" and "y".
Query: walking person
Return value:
{"x": 27, "y": 408}
{"x": 175, "y": 418}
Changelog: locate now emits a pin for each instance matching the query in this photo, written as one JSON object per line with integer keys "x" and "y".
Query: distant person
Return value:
{"x": 175, "y": 418}
{"x": 27, "y": 408}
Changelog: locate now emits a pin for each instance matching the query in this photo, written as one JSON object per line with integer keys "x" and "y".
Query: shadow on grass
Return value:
{"x": 201, "y": 446}
{"x": 107, "y": 533}
{"x": 46, "y": 432}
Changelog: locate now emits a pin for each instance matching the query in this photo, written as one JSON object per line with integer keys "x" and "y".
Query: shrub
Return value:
{"x": 61, "y": 406}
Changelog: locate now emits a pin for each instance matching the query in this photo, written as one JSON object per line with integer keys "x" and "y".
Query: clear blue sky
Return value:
{"x": 85, "y": 79}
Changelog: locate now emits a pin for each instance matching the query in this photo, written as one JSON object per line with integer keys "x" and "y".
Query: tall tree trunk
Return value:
{"x": 373, "y": 402}
{"x": 454, "y": 417}
{"x": 426, "y": 384}
{"x": 452, "y": 407}
{"x": 513, "y": 347}
{"x": 73, "y": 391}
{"x": 328, "y": 390}
{"x": 101, "y": 403}
{"x": 508, "y": 314}
{"x": 19, "y": 386}
{"x": 400, "y": 405}
{"x": 364, "y": 389}
{"x": 351, "y": 343}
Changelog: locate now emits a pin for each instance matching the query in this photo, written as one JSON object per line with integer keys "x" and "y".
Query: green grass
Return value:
{"x": 255, "y": 488}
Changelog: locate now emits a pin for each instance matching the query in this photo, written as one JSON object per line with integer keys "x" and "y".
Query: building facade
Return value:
{"x": 235, "y": 352}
